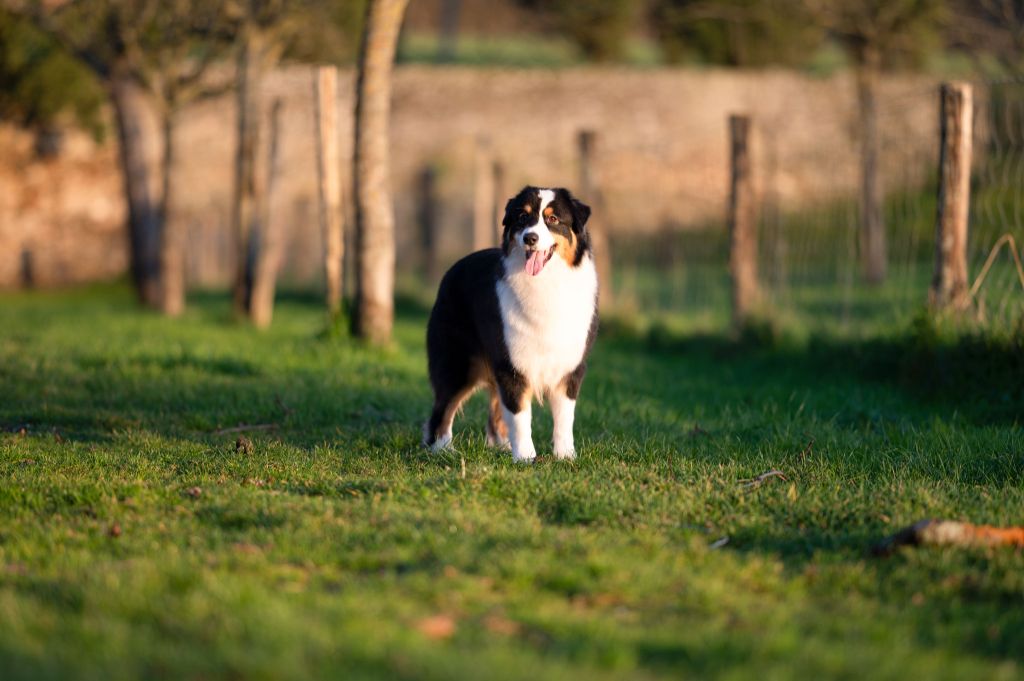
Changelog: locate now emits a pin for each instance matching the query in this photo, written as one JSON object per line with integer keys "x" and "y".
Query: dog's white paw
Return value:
{"x": 565, "y": 453}
{"x": 442, "y": 443}
{"x": 524, "y": 454}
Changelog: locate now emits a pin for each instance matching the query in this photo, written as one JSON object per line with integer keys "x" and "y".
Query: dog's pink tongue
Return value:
{"x": 535, "y": 263}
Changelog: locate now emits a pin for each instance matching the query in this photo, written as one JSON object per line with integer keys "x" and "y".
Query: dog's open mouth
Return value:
{"x": 536, "y": 259}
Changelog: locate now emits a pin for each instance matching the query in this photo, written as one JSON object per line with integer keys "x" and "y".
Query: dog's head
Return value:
{"x": 544, "y": 223}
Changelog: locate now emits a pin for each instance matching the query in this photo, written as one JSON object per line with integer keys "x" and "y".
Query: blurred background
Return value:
{"x": 627, "y": 102}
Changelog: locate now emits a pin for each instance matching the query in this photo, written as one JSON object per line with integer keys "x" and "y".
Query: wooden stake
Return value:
{"x": 483, "y": 196}
{"x": 949, "y": 284}
{"x": 742, "y": 222}
{"x": 427, "y": 203}
{"x": 329, "y": 173}
{"x": 500, "y": 197}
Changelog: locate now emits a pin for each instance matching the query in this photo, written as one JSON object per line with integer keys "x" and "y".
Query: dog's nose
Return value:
{"x": 530, "y": 238}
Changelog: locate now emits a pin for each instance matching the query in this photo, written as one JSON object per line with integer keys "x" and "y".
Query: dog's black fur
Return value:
{"x": 465, "y": 338}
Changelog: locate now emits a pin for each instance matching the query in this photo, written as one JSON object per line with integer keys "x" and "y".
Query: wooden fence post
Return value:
{"x": 329, "y": 173}
{"x": 742, "y": 222}
{"x": 427, "y": 205}
{"x": 949, "y": 284}
{"x": 500, "y": 197}
{"x": 590, "y": 192}
{"x": 483, "y": 196}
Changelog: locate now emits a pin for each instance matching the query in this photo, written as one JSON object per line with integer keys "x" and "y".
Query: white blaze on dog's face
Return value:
{"x": 540, "y": 223}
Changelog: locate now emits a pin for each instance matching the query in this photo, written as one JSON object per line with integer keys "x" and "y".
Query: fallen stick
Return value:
{"x": 242, "y": 427}
{"x": 950, "y": 533}
{"x": 759, "y": 480}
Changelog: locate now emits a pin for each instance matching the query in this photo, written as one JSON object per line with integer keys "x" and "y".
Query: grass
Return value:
{"x": 137, "y": 540}
{"x": 517, "y": 51}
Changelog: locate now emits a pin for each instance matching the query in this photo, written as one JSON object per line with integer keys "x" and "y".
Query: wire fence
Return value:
{"x": 660, "y": 167}
{"x": 808, "y": 255}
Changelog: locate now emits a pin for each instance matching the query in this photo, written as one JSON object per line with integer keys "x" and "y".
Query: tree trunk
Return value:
{"x": 265, "y": 244}
{"x": 590, "y": 192}
{"x": 172, "y": 247}
{"x": 329, "y": 172}
{"x": 375, "y": 220}
{"x": 872, "y": 227}
{"x": 138, "y": 147}
{"x": 448, "y": 30}
{"x": 246, "y": 199}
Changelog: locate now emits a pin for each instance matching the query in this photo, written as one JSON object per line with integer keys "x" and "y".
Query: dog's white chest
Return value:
{"x": 546, "y": 318}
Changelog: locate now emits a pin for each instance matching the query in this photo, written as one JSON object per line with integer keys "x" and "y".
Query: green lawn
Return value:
{"x": 137, "y": 541}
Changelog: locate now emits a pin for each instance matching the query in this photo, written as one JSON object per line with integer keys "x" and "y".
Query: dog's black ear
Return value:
{"x": 507, "y": 221}
{"x": 580, "y": 215}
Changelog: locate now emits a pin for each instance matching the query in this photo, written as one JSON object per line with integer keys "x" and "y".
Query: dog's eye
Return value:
{"x": 524, "y": 218}
{"x": 552, "y": 219}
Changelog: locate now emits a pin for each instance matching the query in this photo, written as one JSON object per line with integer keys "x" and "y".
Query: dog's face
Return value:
{"x": 541, "y": 224}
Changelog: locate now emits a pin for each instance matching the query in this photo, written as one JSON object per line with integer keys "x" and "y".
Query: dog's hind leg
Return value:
{"x": 454, "y": 380}
{"x": 497, "y": 431}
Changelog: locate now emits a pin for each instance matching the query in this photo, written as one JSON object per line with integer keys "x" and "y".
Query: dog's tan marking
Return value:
{"x": 566, "y": 247}
{"x": 496, "y": 428}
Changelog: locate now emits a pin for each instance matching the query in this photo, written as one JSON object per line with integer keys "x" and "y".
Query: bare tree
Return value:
{"x": 989, "y": 28}
{"x": 177, "y": 76}
{"x": 265, "y": 244}
{"x": 876, "y": 33}
{"x": 264, "y": 29}
{"x": 151, "y": 56}
{"x": 260, "y": 28}
{"x": 375, "y": 220}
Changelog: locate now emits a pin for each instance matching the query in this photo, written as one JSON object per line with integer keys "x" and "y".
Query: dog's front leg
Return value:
{"x": 563, "y": 412}
{"x": 519, "y": 433}
{"x": 516, "y": 412}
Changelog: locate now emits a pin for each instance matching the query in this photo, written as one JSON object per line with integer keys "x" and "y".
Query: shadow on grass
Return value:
{"x": 976, "y": 375}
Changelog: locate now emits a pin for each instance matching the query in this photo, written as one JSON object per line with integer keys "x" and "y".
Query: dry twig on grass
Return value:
{"x": 242, "y": 427}
{"x": 697, "y": 431}
{"x": 754, "y": 483}
{"x": 950, "y": 533}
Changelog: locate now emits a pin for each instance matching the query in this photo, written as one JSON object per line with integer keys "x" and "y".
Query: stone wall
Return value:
{"x": 662, "y": 158}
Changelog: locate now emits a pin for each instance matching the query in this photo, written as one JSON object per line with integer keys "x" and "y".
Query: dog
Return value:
{"x": 519, "y": 319}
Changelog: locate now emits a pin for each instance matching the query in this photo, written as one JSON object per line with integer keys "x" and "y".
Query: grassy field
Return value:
{"x": 138, "y": 539}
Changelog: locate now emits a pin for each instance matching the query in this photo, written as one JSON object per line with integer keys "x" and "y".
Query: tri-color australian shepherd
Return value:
{"x": 520, "y": 320}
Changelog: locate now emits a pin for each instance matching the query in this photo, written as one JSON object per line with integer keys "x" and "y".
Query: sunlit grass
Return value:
{"x": 138, "y": 541}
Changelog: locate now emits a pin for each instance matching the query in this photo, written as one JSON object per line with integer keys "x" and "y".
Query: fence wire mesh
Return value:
{"x": 809, "y": 252}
